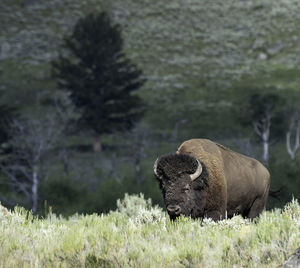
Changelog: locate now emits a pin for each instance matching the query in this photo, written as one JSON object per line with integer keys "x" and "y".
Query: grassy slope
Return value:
{"x": 139, "y": 235}
{"x": 183, "y": 48}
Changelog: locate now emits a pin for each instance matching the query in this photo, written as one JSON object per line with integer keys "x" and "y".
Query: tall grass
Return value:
{"x": 140, "y": 235}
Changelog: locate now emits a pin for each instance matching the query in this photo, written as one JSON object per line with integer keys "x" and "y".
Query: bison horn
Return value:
{"x": 198, "y": 171}
{"x": 155, "y": 169}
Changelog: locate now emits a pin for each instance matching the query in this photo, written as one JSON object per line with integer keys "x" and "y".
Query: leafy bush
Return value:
{"x": 3, "y": 212}
{"x": 139, "y": 209}
{"x": 131, "y": 204}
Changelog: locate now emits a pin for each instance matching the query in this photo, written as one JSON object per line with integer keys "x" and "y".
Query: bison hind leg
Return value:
{"x": 257, "y": 207}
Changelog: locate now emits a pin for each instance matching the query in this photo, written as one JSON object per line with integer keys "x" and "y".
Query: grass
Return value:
{"x": 140, "y": 235}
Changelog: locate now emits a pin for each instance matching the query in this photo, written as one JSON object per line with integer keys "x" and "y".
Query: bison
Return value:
{"x": 206, "y": 179}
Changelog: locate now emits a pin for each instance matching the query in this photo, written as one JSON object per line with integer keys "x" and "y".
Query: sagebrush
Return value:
{"x": 140, "y": 235}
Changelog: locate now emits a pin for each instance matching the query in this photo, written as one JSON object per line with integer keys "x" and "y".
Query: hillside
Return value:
{"x": 183, "y": 48}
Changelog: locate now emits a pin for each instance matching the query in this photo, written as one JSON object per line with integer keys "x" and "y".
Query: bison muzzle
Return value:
{"x": 206, "y": 179}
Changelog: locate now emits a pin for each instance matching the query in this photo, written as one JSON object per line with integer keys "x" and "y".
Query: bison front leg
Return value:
{"x": 215, "y": 215}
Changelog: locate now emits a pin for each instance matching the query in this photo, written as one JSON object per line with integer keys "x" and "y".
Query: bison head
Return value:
{"x": 183, "y": 180}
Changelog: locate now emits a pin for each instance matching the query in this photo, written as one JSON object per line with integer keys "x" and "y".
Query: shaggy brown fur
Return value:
{"x": 236, "y": 184}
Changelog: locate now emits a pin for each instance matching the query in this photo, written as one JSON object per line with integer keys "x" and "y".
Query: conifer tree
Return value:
{"x": 102, "y": 82}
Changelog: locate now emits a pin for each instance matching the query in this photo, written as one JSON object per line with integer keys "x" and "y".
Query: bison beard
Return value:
{"x": 206, "y": 179}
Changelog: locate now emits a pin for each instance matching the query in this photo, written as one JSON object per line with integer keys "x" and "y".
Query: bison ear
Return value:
{"x": 155, "y": 170}
{"x": 197, "y": 172}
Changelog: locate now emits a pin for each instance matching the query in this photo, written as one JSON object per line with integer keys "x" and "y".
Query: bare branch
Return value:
{"x": 31, "y": 142}
{"x": 257, "y": 128}
{"x": 15, "y": 168}
{"x": 16, "y": 182}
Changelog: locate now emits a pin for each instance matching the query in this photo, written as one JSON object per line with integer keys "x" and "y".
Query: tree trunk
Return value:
{"x": 97, "y": 144}
{"x": 265, "y": 147}
{"x": 34, "y": 189}
{"x": 262, "y": 129}
{"x": 292, "y": 151}
{"x": 65, "y": 160}
{"x": 137, "y": 170}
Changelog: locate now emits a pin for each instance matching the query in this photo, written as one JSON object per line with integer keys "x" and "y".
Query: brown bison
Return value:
{"x": 206, "y": 179}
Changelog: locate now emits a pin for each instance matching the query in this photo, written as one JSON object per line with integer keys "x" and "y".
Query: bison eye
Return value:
{"x": 186, "y": 189}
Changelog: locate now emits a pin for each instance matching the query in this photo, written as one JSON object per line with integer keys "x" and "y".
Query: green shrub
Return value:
{"x": 127, "y": 237}
{"x": 139, "y": 209}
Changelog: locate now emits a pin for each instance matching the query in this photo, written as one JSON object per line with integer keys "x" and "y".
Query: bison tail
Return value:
{"x": 276, "y": 194}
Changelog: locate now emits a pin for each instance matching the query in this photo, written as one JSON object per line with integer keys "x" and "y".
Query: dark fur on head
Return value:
{"x": 178, "y": 189}
{"x": 170, "y": 166}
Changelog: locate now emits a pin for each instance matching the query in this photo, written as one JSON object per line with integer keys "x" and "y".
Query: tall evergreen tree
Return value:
{"x": 101, "y": 80}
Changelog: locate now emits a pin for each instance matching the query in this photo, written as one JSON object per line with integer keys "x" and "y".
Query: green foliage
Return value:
{"x": 119, "y": 239}
{"x": 100, "y": 79}
{"x": 259, "y": 106}
{"x": 7, "y": 115}
{"x": 130, "y": 204}
{"x": 284, "y": 176}
{"x": 103, "y": 199}
{"x": 64, "y": 196}
{"x": 135, "y": 206}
